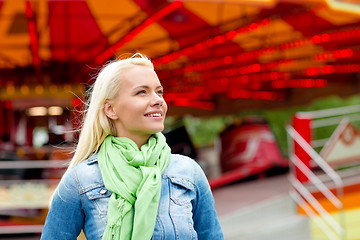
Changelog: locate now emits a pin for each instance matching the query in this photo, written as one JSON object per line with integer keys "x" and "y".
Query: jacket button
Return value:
{"x": 102, "y": 191}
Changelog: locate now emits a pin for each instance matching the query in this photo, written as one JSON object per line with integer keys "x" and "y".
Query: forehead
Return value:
{"x": 140, "y": 75}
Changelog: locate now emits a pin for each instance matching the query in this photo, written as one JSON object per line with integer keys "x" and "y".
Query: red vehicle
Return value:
{"x": 248, "y": 149}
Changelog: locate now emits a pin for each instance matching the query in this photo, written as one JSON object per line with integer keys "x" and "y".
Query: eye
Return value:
{"x": 160, "y": 92}
{"x": 140, "y": 92}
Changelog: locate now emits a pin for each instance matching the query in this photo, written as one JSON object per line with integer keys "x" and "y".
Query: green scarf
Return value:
{"x": 134, "y": 177}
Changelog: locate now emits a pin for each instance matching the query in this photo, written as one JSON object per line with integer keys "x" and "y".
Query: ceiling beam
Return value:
{"x": 108, "y": 53}
{"x": 34, "y": 40}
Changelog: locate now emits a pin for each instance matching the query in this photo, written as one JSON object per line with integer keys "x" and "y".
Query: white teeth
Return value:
{"x": 154, "y": 115}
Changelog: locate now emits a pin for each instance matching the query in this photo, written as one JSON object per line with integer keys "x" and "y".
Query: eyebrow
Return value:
{"x": 147, "y": 87}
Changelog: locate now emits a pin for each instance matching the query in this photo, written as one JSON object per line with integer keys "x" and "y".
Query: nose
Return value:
{"x": 157, "y": 100}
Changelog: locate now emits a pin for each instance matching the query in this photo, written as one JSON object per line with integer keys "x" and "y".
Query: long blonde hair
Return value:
{"x": 96, "y": 125}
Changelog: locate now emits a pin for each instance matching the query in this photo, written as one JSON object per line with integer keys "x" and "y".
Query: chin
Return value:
{"x": 156, "y": 130}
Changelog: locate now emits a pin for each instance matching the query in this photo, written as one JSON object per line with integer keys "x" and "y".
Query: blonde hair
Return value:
{"x": 96, "y": 125}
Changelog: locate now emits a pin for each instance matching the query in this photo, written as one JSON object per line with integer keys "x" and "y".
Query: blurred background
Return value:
{"x": 263, "y": 94}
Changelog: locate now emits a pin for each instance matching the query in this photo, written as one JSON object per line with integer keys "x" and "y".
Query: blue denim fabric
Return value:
{"x": 186, "y": 208}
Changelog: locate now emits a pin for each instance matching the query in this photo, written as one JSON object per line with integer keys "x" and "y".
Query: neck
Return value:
{"x": 140, "y": 142}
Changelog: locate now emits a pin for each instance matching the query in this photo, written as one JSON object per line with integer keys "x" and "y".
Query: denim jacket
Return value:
{"x": 186, "y": 209}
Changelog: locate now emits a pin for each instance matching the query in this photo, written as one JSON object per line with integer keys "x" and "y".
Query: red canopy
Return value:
{"x": 212, "y": 55}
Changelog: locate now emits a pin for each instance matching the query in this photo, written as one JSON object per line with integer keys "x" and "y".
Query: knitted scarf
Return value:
{"x": 134, "y": 178}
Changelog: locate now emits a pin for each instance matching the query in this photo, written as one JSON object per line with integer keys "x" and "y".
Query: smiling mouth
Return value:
{"x": 153, "y": 115}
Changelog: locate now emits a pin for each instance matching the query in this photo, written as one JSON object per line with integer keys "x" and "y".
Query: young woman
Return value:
{"x": 123, "y": 182}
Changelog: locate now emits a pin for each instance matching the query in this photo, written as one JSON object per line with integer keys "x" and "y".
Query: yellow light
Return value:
{"x": 20, "y": 152}
{"x": 37, "y": 111}
{"x": 67, "y": 87}
{"x": 81, "y": 88}
{"x": 53, "y": 89}
{"x": 10, "y": 89}
{"x": 24, "y": 89}
{"x": 39, "y": 89}
{"x": 55, "y": 110}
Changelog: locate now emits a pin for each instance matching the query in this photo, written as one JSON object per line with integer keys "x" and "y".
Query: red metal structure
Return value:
{"x": 209, "y": 54}
{"x": 302, "y": 124}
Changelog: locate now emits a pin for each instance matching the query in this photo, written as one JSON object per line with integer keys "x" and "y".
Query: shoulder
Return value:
{"x": 87, "y": 173}
{"x": 184, "y": 167}
{"x": 180, "y": 165}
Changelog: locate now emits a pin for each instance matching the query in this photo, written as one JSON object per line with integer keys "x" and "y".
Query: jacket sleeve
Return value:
{"x": 206, "y": 222}
{"x": 66, "y": 216}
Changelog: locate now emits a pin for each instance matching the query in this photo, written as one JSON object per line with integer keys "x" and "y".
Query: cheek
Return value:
{"x": 165, "y": 108}
{"x": 129, "y": 108}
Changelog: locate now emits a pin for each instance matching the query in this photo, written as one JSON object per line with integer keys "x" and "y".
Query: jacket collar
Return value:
{"x": 92, "y": 159}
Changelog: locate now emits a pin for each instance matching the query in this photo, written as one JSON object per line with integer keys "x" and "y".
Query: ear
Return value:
{"x": 109, "y": 110}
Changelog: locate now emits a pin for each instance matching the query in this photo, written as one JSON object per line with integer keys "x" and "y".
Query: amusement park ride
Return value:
{"x": 212, "y": 57}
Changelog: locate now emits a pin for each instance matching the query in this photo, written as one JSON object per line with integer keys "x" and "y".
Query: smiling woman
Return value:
{"x": 140, "y": 98}
{"x": 123, "y": 182}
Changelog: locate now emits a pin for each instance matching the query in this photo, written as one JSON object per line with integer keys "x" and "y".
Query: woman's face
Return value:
{"x": 139, "y": 109}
